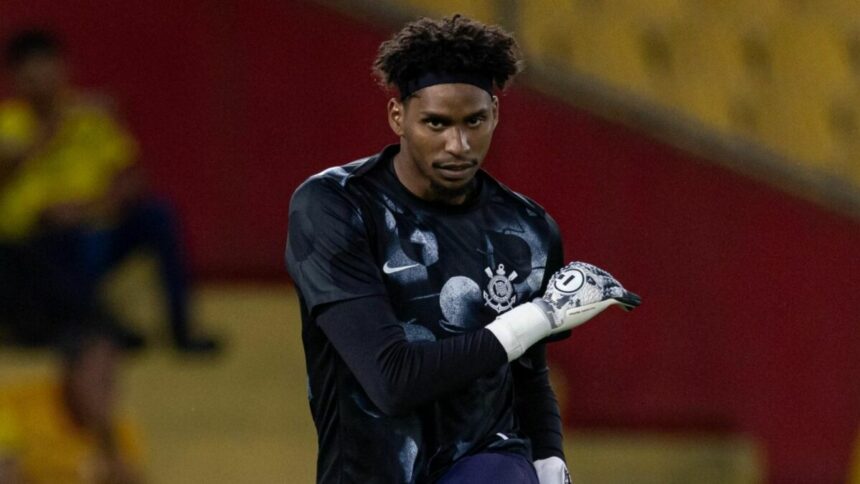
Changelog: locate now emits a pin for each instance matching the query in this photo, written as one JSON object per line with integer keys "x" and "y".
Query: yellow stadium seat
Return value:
{"x": 811, "y": 73}
{"x": 644, "y": 12}
{"x": 548, "y": 30}
{"x": 709, "y": 71}
{"x": 587, "y": 40}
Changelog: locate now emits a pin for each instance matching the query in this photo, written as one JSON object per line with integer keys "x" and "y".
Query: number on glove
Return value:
{"x": 579, "y": 291}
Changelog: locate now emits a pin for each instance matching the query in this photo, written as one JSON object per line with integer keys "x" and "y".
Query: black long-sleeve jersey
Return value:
{"x": 395, "y": 292}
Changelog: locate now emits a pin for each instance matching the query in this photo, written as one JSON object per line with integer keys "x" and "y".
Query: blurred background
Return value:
{"x": 707, "y": 152}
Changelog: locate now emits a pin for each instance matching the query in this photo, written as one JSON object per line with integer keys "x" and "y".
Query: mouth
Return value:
{"x": 456, "y": 171}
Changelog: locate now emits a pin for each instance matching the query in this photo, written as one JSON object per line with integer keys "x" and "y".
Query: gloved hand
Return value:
{"x": 552, "y": 470}
{"x": 576, "y": 293}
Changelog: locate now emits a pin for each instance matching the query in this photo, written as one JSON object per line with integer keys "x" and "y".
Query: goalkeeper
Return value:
{"x": 426, "y": 286}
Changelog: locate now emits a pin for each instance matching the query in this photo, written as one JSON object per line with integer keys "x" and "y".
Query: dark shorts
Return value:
{"x": 491, "y": 468}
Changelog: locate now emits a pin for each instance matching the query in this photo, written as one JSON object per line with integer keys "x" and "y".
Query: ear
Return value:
{"x": 395, "y": 116}
{"x": 495, "y": 111}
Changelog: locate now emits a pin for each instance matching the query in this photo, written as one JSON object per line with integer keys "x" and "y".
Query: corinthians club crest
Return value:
{"x": 500, "y": 294}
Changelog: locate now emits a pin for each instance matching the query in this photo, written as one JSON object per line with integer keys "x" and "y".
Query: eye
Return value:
{"x": 434, "y": 123}
{"x": 474, "y": 121}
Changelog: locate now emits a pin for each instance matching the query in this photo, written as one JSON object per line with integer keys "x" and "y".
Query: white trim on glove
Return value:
{"x": 520, "y": 328}
{"x": 552, "y": 470}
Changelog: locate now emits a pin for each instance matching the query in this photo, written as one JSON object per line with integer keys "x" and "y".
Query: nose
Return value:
{"x": 457, "y": 142}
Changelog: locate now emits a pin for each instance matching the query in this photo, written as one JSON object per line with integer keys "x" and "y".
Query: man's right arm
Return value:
{"x": 15, "y": 145}
{"x": 18, "y": 143}
{"x": 399, "y": 375}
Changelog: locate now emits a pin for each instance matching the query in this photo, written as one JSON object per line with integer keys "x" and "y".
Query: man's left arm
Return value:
{"x": 118, "y": 159}
{"x": 540, "y": 419}
{"x": 535, "y": 404}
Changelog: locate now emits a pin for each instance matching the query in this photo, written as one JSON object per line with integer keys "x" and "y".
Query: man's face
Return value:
{"x": 40, "y": 78}
{"x": 445, "y": 132}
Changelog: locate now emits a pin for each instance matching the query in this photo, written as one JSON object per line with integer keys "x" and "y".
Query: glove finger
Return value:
{"x": 629, "y": 300}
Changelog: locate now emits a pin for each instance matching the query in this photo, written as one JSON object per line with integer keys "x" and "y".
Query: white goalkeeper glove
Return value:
{"x": 552, "y": 470}
{"x": 576, "y": 293}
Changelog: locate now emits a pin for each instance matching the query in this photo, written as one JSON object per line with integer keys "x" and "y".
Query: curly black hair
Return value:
{"x": 454, "y": 44}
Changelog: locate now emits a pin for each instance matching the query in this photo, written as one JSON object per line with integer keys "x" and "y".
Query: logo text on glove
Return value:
{"x": 569, "y": 281}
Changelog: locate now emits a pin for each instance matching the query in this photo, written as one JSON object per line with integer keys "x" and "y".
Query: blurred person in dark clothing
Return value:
{"x": 70, "y": 189}
{"x": 38, "y": 302}
{"x": 67, "y": 429}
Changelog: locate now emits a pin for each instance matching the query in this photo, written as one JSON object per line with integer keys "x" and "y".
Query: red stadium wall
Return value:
{"x": 748, "y": 322}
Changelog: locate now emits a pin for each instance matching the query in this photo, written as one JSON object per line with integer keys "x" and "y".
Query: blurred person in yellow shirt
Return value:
{"x": 70, "y": 189}
{"x": 66, "y": 430}
{"x": 66, "y": 160}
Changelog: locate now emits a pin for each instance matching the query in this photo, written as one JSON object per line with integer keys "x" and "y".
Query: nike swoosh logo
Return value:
{"x": 391, "y": 270}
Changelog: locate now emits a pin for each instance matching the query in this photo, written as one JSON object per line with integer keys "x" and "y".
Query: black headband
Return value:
{"x": 432, "y": 78}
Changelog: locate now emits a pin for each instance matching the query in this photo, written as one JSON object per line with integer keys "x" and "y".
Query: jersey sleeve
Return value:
{"x": 329, "y": 253}
{"x": 554, "y": 262}
{"x": 535, "y": 403}
{"x": 555, "y": 255}
{"x": 398, "y": 376}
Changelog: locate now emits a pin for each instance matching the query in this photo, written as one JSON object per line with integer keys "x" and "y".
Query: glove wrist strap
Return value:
{"x": 520, "y": 328}
{"x": 548, "y": 310}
